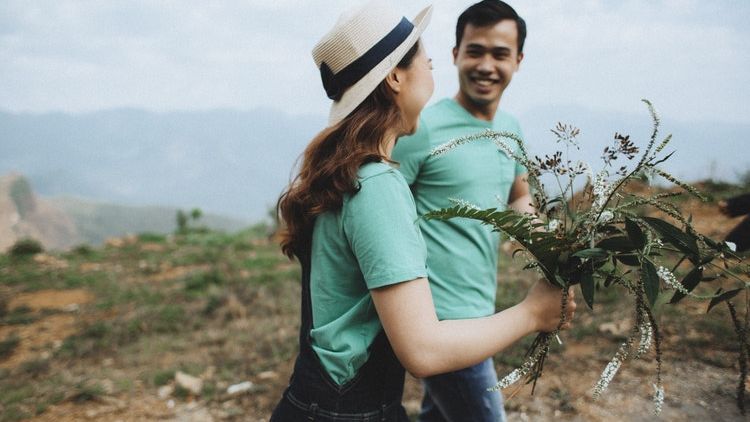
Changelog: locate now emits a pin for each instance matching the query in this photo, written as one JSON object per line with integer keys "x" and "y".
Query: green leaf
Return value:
{"x": 690, "y": 281}
{"x": 588, "y": 288}
{"x": 635, "y": 234}
{"x": 629, "y": 259}
{"x": 542, "y": 245}
{"x": 650, "y": 281}
{"x": 596, "y": 253}
{"x": 722, "y": 297}
{"x": 679, "y": 239}
{"x": 617, "y": 244}
{"x": 609, "y": 280}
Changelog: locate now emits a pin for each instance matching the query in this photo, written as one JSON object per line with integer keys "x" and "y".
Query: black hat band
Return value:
{"x": 335, "y": 85}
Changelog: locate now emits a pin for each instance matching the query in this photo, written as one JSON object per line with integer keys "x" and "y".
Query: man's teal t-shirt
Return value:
{"x": 373, "y": 241}
{"x": 461, "y": 254}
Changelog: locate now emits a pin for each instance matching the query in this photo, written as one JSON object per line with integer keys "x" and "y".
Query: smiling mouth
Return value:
{"x": 484, "y": 82}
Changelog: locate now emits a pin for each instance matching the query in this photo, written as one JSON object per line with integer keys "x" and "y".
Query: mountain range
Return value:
{"x": 63, "y": 222}
{"x": 235, "y": 163}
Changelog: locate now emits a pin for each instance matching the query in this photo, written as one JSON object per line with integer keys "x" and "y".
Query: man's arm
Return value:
{"x": 520, "y": 195}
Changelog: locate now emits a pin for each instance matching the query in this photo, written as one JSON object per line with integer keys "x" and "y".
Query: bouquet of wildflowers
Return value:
{"x": 600, "y": 238}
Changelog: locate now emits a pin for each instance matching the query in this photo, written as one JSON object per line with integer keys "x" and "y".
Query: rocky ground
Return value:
{"x": 202, "y": 327}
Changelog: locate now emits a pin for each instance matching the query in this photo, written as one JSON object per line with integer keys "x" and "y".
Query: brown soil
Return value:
{"x": 48, "y": 330}
{"x": 52, "y": 299}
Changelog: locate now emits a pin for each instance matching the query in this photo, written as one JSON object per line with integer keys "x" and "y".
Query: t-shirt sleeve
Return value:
{"x": 411, "y": 152}
{"x": 380, "y": 224}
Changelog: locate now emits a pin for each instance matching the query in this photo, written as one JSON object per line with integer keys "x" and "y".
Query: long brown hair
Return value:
{"x": 331, "y": 161}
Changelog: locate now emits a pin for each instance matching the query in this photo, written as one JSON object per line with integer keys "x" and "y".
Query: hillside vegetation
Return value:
{"x": 63, "y": 222}
{"x": 161, "y": 326}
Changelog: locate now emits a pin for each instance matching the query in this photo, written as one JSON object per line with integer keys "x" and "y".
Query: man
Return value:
{"x": 735, "y": 207}
{"x": 462, "y": 254}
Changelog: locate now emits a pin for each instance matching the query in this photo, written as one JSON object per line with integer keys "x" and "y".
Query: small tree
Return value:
{"x": 182, "y": 221}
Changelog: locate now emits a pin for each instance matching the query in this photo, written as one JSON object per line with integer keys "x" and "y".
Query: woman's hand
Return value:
{"x": 543, "y": 304}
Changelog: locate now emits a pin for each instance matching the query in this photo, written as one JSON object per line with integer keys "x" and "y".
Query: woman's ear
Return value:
{"x": 394, "y": 80}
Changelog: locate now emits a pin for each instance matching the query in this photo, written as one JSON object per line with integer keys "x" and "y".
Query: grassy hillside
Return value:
{"x": 99, "y": 333}
{"x": 96, "y": 222}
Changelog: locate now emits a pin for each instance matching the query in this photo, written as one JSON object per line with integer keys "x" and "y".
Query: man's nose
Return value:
{"x": 485, "y": 64}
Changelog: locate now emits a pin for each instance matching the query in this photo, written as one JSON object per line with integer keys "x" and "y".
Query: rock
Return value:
{"x": 108, "y": 386}
{"x": 189, "y": 382}
{"x": 192, "y": 413}
{"x": 209, "y": 373}
{"x": 71, "y": 307}
{"x": 99, "y": 412}
{"x": 240, "y": 388}
{"x": 165, "y": 391}
{"x": 114, "y": 242}
{"x": 616, "y": 329}
{"x": 267, "y": 375}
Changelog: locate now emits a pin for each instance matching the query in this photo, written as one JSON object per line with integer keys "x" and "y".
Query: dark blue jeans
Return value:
{"x": 462, "y": 396}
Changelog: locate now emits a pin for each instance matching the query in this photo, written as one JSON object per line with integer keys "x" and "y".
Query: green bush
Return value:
{"x": 203, "y": 281}
{"x": 35, "y": 368}
{"x": 25, "y": 247}
{"x": 18, "y": 316}
{"x": 152, "y": 237}
{"x": 82, "y": 250}
{"x": 8, "y": 346}
{"x": 163, "y": 377}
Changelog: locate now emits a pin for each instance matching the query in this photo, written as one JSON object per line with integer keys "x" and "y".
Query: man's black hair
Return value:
{"x": 490, "y": 12}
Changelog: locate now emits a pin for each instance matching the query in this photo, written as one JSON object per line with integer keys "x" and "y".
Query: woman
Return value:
{"x": 367, "y": 311}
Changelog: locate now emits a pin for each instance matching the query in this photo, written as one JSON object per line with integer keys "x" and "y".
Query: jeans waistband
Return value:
{"x": 381, "y": 414}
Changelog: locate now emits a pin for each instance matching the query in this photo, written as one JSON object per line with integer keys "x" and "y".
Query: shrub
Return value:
{"x": 8, "y": 346}
{"x": 200, "y": 282}
{"x": 35, "y": 367}
{"x": 82, "y": 250}
{"x": 25, "y": 247}
{"x": 152, "y": 237}
{"x": 163, "y": 377}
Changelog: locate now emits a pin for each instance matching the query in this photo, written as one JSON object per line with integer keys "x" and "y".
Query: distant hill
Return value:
{"x": 24, "y": 214}
{"x": 62, "y": 222}
{"x": 236, "y": 163}
{"x": 228, "y": 162}
{"x": 703, "y": 149}
{"x": 95, "y": 222}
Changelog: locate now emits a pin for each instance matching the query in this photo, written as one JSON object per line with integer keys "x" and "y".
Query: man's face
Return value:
{"x": 486, "y": 60}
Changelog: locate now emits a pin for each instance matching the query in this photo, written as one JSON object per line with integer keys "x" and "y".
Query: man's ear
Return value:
{"x": 455, "y": 54}
{"x": 518, "y": 63}
{"x": 395, "y": 80}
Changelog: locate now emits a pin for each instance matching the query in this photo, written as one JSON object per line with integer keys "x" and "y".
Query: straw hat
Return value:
{"x": 361, "y": 49}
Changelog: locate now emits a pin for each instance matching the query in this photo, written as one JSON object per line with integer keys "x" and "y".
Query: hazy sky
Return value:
{"x": 690, "y": 57}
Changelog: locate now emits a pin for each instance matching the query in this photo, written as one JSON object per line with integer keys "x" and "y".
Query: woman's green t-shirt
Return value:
{"x": 372, "y": 242}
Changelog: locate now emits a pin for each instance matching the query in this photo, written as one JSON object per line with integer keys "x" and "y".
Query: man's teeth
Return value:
{"x": 484, "y": 82}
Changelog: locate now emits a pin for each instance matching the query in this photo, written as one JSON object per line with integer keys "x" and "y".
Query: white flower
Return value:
{"x": 605, "y": 216}
{"x": 552, "y": 225}
{"x": 463, "y": 203}
{"x": 732, "y": 246}
{"x": 600, "y": 189}
{"x": 658, "y": 398}
{"x": 670, "y": 280}
{"x": 646, "y": 337}
{"x": 609, "y": 372}
{"x": 508, "y": 380}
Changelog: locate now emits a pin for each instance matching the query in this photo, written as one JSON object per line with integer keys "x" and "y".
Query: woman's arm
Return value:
{"x": 426, "y": 346}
